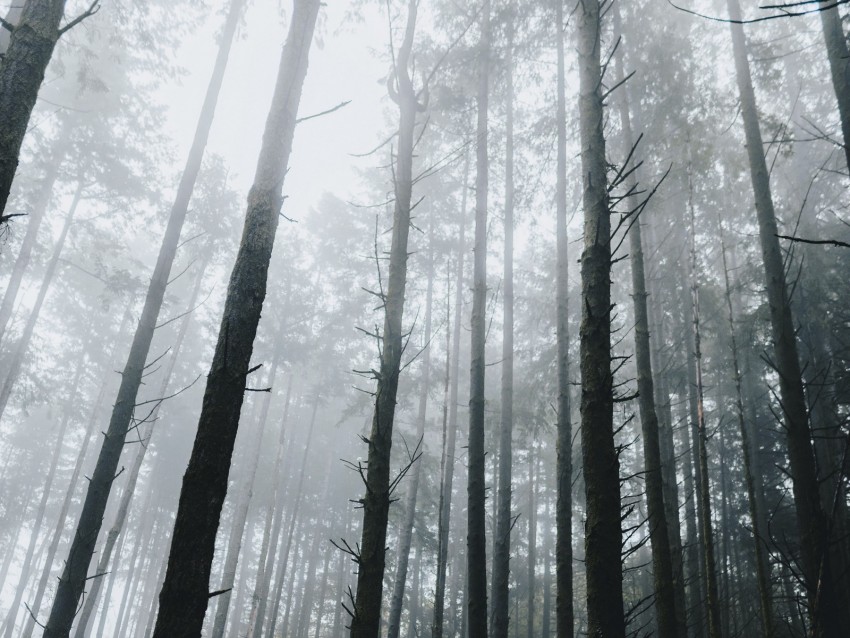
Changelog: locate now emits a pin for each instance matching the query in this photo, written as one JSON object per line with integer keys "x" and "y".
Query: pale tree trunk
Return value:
{"x": 22, "y": 70}
{"x": 564, "y": 464}
{"x": 828, "y": 618}
{"x": 406, "y": 532}
{"x": 39, "y": 208}
{"x": 376, "y": 502}
{"x": 133, "y": 476}
{"x": 662, "y": 564}
{"x": 185, "y": 592}
{"x": 73, "y": 580}
{"x": 476, "y": 540}
{"x": 22, "y": 346}
{"x": 323, "y": 593}
{"x": 502, "y": 532}
{"x": 756, "y": 516}
{"x": 283, "y": 560}
{"x": 603, "y": 535}
{"x": 546, "y": 621}
{"x": 448, "y": 452}
{"x": 704, "y": 489}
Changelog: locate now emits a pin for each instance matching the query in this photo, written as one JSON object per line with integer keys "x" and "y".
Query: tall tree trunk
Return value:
{"x": 502, "y": 532}
{"x": 448, "y": 456}
{"x": 839, "y": 65}
{"x": 545, "y": 625}
{"x": 704, "y": 490}
{"x": 662, "y": 564}
{"x": 42, "y": 201}
{"x": 476, "y": 553}
{"x": 406, "y": 532}
{"x": 827, "y": 618}
{"x": 130, "y": 487}
{"x": 564, "y": 621}
{"x": 603, "y": 535}
{"x": 271, "y": 530}
{"x": 185, "y": 592}
{"x": 22, "y": 70}
{"x": 415, "y": 606}
{"x": 756, "y": 516}
{"x": 73, "y": 580}
{"x": 323, "y": 592}
{"x": 376, "y": 502}
{"x": 22, "y": 346}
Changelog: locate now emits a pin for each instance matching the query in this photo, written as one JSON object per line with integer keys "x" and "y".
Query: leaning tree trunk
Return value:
{"x": 22, "y": 346}
{"x": 21, "y": 73}
{"x": 121, "y": 514}
{"x": 448, "y": 455}
{"x": 376, "y": 503}
{"x": 476, "y": 555}
{"x": 406, "y": 532}
{"x": 662, "y": 564}
{"x": 564, "y": 463}
{"x": 827, "y": 618}
{"x": 703, "y": 490}
{"x": 502, "y": 533}
{"x": 73, "y": 580}
{"x": 185, "y": 592}
{"x": 838, "y": 55}
{"x": 42, "y": 201}
{"x": 603, "y": 534}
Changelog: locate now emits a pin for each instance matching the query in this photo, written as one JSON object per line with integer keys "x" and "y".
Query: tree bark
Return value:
{"x": 564, "y": 622}
{"x": 838, "y": 55}
{"x": 185, "y": 592}
{"x": 827, "y": 619}
{"x": 376, "y": 502}
{"x": 476, "y": 553}
{"x": 73, "y": 580}
{"x": 603, "y": 535}
{"x": 22, "y": 70}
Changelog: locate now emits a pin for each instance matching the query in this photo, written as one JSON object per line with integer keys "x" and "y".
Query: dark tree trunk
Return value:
{"x": 448, "y": 457}
{"x": 827, "y": 618}
{"x": 662, "y": 564}
{"x": 185, "y": 592}
{"x": 839, "y": 65}
{"x": 73, "y": 580}
{"x": 371, "y": 559}
{"x": 22, "y": 70}
{"x": 603, "y": 535}
{"x": 502, "y": 533}
{"x": 133, "y": 476}
{"x": 476, "y": 553}
{"x": 564, "y": 623}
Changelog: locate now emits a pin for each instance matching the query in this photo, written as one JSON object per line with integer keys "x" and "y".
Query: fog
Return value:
{"x": 424, "y": 318}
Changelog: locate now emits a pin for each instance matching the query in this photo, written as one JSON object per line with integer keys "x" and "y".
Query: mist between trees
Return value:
{"x": 424, "y": 318}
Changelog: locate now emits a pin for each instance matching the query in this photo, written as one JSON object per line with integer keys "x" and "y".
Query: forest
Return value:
{"x": 424, "y": 318}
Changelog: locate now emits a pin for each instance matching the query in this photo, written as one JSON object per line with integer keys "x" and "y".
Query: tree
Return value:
{"x": 600, "y": 463}
{"x": 185, "y": 591}
{"x": 376, "y": 503}
{"x": 73, "y": 580}
{"x": 476, "y": 554}
{"x": 22, "y": 69}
